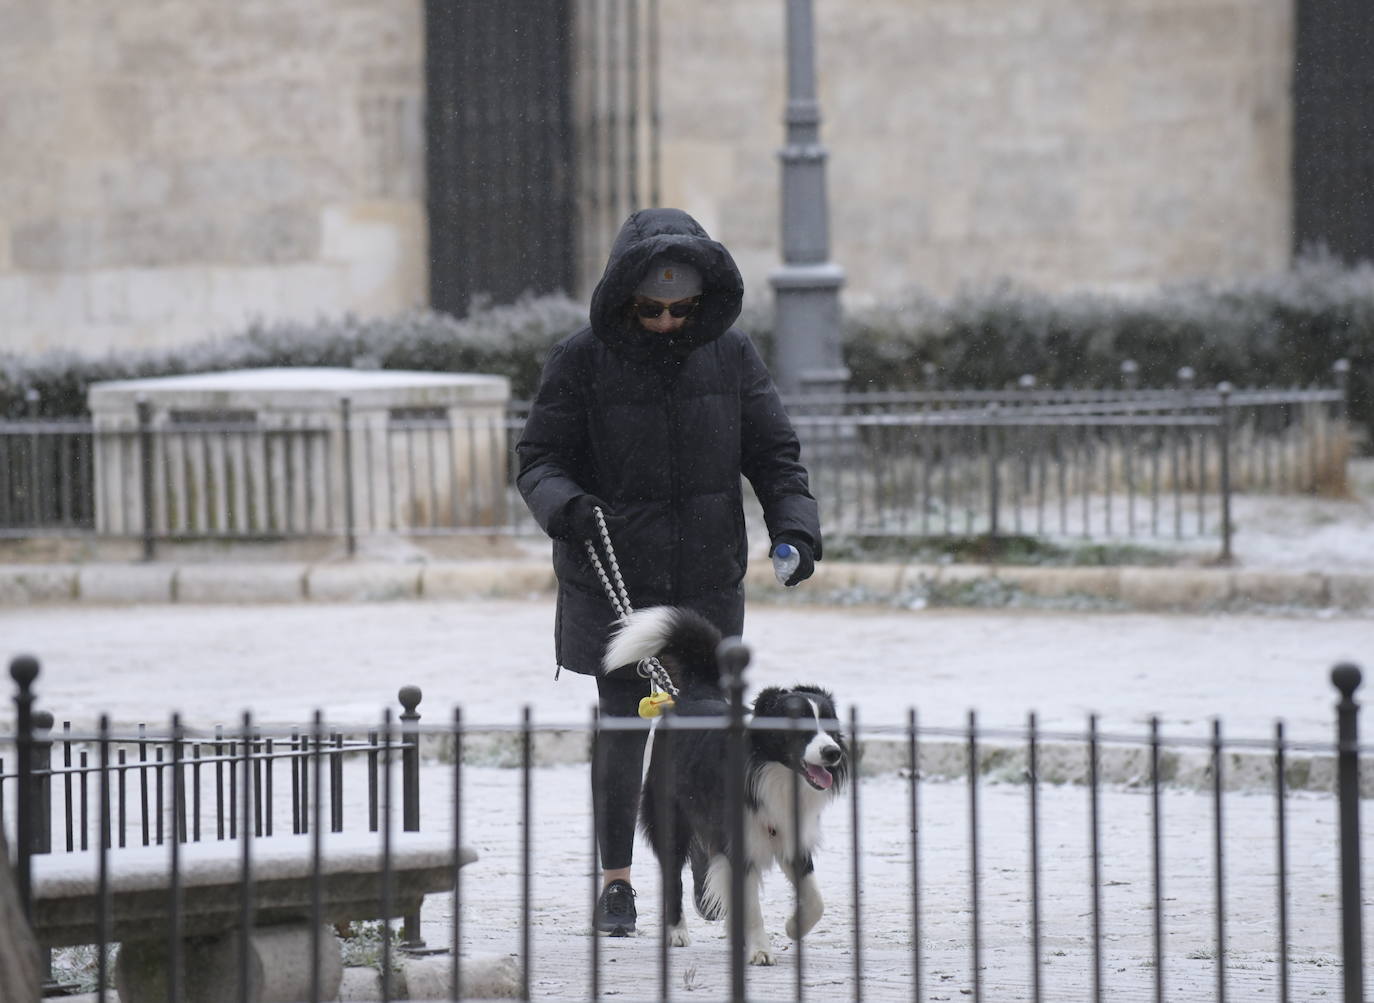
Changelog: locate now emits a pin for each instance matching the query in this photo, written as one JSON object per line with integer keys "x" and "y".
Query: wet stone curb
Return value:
{"x": 911, "y": 586}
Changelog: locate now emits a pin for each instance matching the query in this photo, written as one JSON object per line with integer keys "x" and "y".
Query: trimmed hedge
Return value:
{"x": 508, "y": 340}
{"x": 1281, "y": 330}
{"x": 1276, "y": 330}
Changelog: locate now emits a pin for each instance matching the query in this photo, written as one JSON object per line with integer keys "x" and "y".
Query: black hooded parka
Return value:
{"x": 660, "y": 427}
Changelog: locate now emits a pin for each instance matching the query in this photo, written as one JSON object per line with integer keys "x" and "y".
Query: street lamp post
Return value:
{"x": 807, "y": 354}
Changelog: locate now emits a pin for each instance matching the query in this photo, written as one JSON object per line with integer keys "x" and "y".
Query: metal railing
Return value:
{"x": 1110, "y": 464}
{"x": 147, "y": 765}
{"x": 47, "y": 477}
{"x": 1331, "y": 859}
{"x": 115, "y": 788}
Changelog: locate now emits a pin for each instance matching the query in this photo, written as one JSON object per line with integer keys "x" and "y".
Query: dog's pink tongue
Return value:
{"x": 820, "y": 776}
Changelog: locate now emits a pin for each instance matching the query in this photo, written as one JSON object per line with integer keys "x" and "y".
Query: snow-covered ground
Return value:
{"x": 896, "y": 939}
{"x": 914, "y": 907}
{"x": 1303, "y": 533}
{"x": 495, "y": 657}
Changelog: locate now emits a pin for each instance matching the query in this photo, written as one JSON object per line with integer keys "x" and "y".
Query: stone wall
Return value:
{"x": 1063, "y": 143}
{"x": 171, "y": 169}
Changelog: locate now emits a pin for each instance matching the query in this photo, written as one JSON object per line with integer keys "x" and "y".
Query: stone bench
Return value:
{"x": 66, "y": 908}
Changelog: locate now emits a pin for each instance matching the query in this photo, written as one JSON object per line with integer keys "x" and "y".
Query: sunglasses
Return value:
{"x": 650, "y": 310}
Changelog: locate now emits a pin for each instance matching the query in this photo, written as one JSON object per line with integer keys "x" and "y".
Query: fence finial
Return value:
{"x": 24, "y": 670}
{"x": 733, "y": 655}
{"x": 410, "y": 699}
{"x": 1347, "y": 678}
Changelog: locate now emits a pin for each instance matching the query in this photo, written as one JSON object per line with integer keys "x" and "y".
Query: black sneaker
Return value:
{"x": 615, "y": 910}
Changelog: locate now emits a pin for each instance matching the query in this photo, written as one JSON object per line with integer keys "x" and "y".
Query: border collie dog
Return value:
{"x": 808, "y": 763}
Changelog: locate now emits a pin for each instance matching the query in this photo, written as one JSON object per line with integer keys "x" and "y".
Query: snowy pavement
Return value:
{"x": 140, "y": 661}
{"x": 914, "y": 906}
{"x": 897, "y": 942}
{"x": 494, "y": 658}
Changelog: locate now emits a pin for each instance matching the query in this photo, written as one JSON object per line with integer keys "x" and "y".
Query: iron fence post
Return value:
{"x": 733, "y": 655}
{"x": 40, "y": 794}
{"x": 412, "y": 942}
{"x": 1346, "y": 678}
{"x": 526, "y": 853}
{"x": 24, "y": 670}
{"x": 409, "y": 697}
{"x": 32, "y": 399}
{"x": 1224, "y": 447}
{"x": 346, "y": 430}
{"x": 145, "y": 471}
{"x": 994, "y": 462}
{"x": 1340, "y": 370}
{"x": 1337, "y": 441}
{"x": 42, "y": 774}
{"x": 40, "y": 831}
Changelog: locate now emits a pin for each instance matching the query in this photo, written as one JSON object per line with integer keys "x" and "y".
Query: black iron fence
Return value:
{"x": 150, "y": 771}
{"x": 47, "y": 476}
{"x": 229, "y": 477}
{"x": 903, "y": 946}
{"x": 1068, "y": 463}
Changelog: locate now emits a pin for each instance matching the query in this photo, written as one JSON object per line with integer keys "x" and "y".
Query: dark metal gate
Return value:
{"x": 500, "y": 159}
{"x": 542, "y": 125}
{"x": 1333, "y": 133}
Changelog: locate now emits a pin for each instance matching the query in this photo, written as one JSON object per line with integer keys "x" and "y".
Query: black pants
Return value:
{"x": 617, "y": 771}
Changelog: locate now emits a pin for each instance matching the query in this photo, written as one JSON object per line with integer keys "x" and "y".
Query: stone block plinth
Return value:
{"x": 291, "y": 452}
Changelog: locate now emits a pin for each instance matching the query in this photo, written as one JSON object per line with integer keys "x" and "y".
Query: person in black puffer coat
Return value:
{"x": 652, "y": 413}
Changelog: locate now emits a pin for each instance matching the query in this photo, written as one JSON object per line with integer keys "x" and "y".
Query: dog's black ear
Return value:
{"x": 778, "y": 702}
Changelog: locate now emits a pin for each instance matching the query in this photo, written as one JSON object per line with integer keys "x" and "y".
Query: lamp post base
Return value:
{"x": 806, "y": 327}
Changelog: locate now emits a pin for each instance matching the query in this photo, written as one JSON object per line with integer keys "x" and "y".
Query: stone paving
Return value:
{"x": 492, "y": 657}
{"x": 889, "y": 956}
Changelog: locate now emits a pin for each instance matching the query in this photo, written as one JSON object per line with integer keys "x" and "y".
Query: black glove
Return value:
{"x": 579, "y": 519}
{"x": 806, "y": 566}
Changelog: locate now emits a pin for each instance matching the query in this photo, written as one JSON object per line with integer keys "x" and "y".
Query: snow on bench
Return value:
{"x": 66, "y": 906}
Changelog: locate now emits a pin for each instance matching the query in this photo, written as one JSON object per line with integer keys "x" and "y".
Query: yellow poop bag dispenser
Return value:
{"x": 655, "y": 704}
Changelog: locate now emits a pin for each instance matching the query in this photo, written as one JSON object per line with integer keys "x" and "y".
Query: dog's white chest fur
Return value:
{"x": 772, "y": 832}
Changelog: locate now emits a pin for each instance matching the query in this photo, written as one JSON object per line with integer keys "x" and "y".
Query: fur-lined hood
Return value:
{"x": 645, "y": 235}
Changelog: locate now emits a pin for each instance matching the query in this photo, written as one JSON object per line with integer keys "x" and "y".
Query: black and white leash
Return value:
{"x": 650, "y": 668}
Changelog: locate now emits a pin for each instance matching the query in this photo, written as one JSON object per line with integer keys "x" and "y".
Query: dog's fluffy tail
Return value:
{"x": 684, "y": 639}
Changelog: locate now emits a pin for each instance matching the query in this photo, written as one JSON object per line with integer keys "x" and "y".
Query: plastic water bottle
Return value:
{"x": 785, "y": 561}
